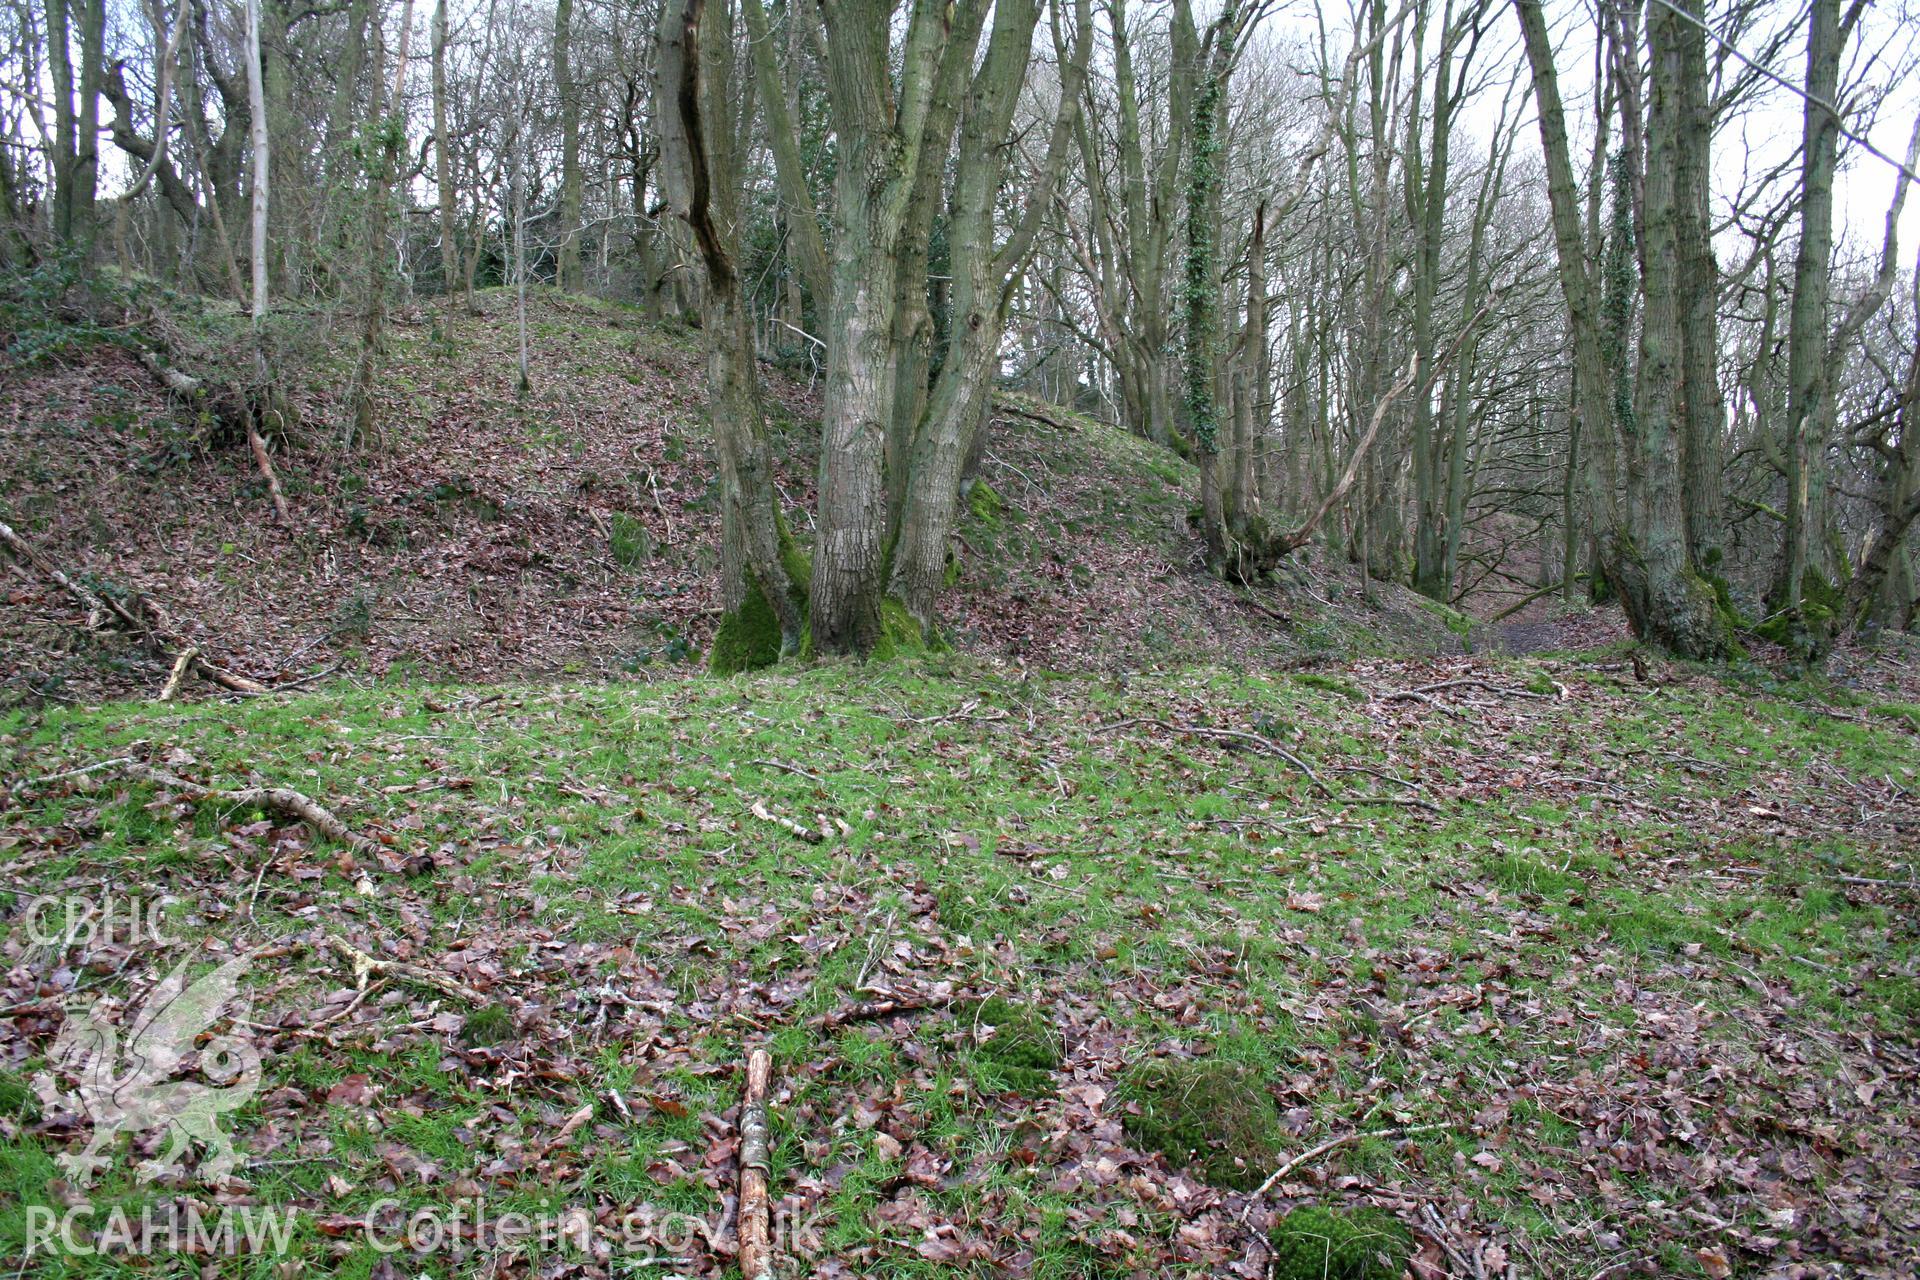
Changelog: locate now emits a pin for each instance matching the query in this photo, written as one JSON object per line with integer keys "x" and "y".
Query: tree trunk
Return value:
{"x": 700, "y": 164}
{"x": 1807, "y": 326}
{"x": 569, "y": 278}
{"x": 1703, "y": 408}
{"x": 1666, "y": 602}
{"x": 451, "y": 276}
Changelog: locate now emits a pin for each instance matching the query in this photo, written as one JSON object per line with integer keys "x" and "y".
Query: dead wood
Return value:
{"x": 180, "y": 665}
{"x": 1229, "y": 738}
{"x": 260, "y": 459}
{"x": 765, "y": 814}
{"x": 284, "y": 801}
{"x": 1003, "y": 404}
{"x": 1331, "y": 1145}
{"x": 149, "y": 625}
{"x": 366, "y": 966}
{"x": 226, "y": 407}
{"x": 1466, "y": 682}
{"x": 756, "y": 1245}
{"x": 867, "y": 1010}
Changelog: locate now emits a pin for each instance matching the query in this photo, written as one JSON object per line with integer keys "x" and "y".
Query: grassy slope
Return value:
{"x": 1615, "y": 961}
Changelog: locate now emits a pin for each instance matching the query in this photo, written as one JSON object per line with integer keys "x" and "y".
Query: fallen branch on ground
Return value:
{"x": 366, "y": 966}
{"x": 281, "y": 800}
{"x": 1465, "y": 682}
{"x": 756, "y": 1246}
{"x": 150, "y": 628}
{"x": 1003, "y": 404}
{"x": 867, "y": 1010}
{"x": 260, "y": 459}
{"x": 1331, "y": 1145}
{"x": 765, "y": 814}
{"x": 180, "y": 665}
{"x": 1254, "y": 740}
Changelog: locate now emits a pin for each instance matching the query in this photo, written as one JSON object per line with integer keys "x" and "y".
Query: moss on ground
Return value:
{"x": 629, "y": 540}
{"x": 985, "y": 502}
{"x": 489, "y": 1025}
{"x": 1215, "y": 1116}
{"x": 1015, "y": 1046}
{"x": 1317, "y": 1243}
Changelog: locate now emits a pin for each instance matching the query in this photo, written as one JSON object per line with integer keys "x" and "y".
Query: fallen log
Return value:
{"x": 149, "y": 627}
{"x": 756, "y": 1244}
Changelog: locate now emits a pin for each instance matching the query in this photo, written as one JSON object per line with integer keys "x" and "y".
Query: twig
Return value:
{"x": 1331, "y": 1144}
{"x": 787, "y": 768}
{"x": 1465, "y": 682}
{"x": 867, "y": 1010}
{"x": 365, "y": 966}
{"x": 32, "y": 784}
{"x": 761, "y": 812}
{"x": 1442, "y": 1236}
{"x": 1266, "y": 745}
{"x": 150, "y": 630}
{"x": 756, "y": 1248}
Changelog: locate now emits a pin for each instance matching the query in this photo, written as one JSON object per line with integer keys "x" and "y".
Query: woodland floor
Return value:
{"x": 1605, "y": 976}
{"x": 1644, "y": 955}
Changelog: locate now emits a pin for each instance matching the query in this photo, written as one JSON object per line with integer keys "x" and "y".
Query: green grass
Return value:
{"x": 1145, "y": 894}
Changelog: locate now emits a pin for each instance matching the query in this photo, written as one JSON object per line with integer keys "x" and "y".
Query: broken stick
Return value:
{"x": 151, "y": 630}
{"x": 756, "y": 1245}
{"x": 281, "y": 800}
{"x": 870, "y": 1009}
{"x": 180, "y": 665}
{"x": 366, "y": 966}
{"x": 760, "y": 811}
{"x": 260, "y": 459}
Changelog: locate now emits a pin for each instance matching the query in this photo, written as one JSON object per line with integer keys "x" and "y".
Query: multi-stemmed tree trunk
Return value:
{"x": 1129, "y": 244}
{"x": 1642, "y": 549}
{"x": 986, "y": 274}
{"x": 76, "y": 114}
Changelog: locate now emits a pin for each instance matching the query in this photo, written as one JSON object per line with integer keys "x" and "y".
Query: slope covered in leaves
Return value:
{"x": 1576, "y": 975}
{"x": 572, "y": 529}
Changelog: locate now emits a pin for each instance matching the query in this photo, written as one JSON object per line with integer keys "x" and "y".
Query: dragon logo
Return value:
{"x": 132, "y": 1088}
